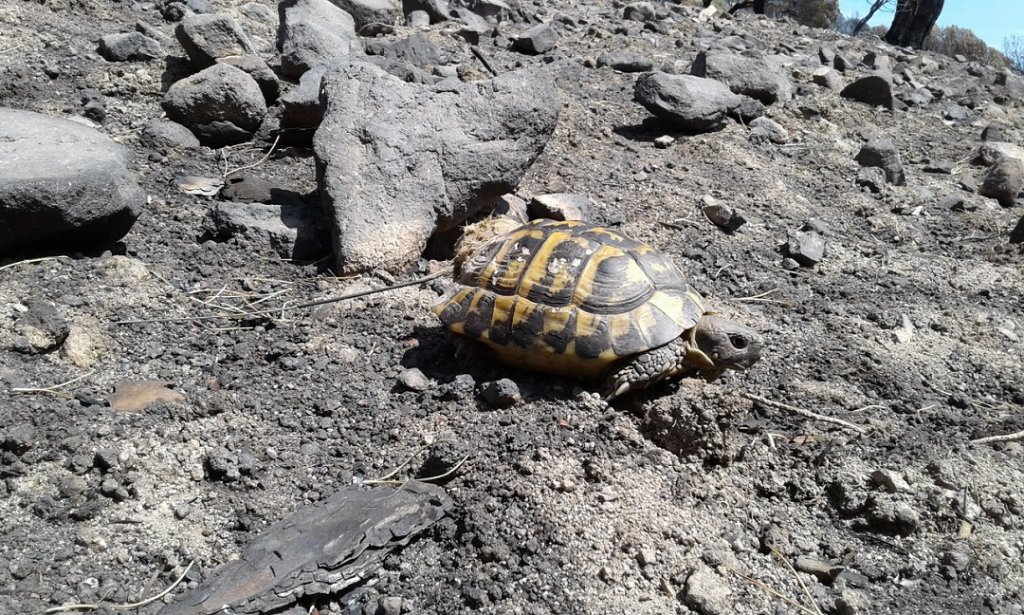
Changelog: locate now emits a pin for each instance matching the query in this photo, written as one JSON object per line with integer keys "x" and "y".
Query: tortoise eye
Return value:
{"x": 738, "y": 341}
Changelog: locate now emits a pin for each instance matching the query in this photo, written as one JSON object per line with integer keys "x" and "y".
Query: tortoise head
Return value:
{"x": 718, "y": 344}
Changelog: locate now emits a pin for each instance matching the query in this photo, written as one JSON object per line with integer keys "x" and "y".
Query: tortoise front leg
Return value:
{"x": 645, "y": 369}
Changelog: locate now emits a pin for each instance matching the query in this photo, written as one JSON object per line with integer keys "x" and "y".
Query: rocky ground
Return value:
{"x": 884, "y": 280}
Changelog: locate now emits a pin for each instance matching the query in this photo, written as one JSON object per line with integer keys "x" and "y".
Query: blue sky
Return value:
{"x": 992, "y": 20}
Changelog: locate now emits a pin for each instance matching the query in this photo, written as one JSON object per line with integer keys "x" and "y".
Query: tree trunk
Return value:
{"x": 913, "y": 22}
{"x": 877, "y": 4}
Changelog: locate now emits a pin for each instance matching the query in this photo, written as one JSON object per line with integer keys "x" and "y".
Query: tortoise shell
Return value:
{"x": 569, "y": 298}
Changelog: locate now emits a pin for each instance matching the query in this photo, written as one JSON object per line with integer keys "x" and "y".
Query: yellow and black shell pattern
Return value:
{"x": 569, "y": 298}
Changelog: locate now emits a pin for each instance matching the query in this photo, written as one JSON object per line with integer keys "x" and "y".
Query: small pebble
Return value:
{"x": 664, "y": 141}
{"x": 182, "y": 510}
{"x": 502, "y": 393}
{"x": 414, "y": 379}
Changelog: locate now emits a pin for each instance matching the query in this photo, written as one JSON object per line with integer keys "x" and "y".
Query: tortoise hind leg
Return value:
{"x": 645, "y": 369}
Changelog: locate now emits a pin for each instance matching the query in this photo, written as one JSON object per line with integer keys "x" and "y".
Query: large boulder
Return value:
{"x": 212, "y": 37}
{"x": 63, "y": 186}
{"x": 366, "y": 12}
{"x": 687, "y": 102}
{"x": 398, "y": 161}
{"x": 222, "y": 105}
{"x": 873, "y": 90}
{"x": 312, "y": 33}
{"x": 1003, "y": 181}
{"x": 751, "y": 75}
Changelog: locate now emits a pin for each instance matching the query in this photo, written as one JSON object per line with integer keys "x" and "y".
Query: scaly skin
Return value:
{"x": 712, "y": 346}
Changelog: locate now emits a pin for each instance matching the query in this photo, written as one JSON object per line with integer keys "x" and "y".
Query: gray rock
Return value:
{"x": 300, "y": 106}
{"x": 821, "y": 569}
{"x": 438, "y": 10}
{"x": 890, "y": 480}
{"x": 994, "y": 132}
{"x": 395, "y": 161}
{"x": 182, "y": 510}
{"x": 511, "y": 206}
{"x": 94, "y": 104}
{"x": 707, "y": 593}
{"x": 872, "y": 90}
{"x": 639, "y": 11}
{"x": 418, "y": 19}
{"x": 221, "y": 104}
{"x": 664, "y": 142}
{"x": 256, "y": 68}
{"x": 942, "y": 166}
{"x": 841, "y": 63}
{"x": 766, "y": 129}
{"x": 625, "y": 61}
{"x": 313, "y": 33}
{"x": 414, "y": 49}
{"x": 878, "y": 61}
{"x": 389, "y": 605}
{"x": 248, "y": 189}
{"x": 826, "y": 55}
{"x": 414, "y": 379}
{"x": 369, "y": 12}
{"x": 210, "y": 37}
{"x": 88, "y": 200}
{"x": 560, "y": 206}
{"x": 853, "y": 602}
{"x": 827, "y": 77}
{"x": 164, "y": 134}
{"x": 502, "y": 393}
{"x": 886, "y": 513}
{"x": 685, "y": 101}
{"x": 806, "y": 248}
{"x": 294, "y": 228}
{"x": 883, "y": 153}
{"x": 751, "y": 76}
{"x": 129, "y": 47}
{"x": 539, "y": 39}
{"x": 1003, "y": 181}
{"x": 724, "y": 216}
{"x": 497, "y": 10}
{"x": 956, "y": 112}
{"x": 18, "y": 439}
{"x": 1017, "y": 234}
{"x": 403, "y": 70}
{"x": 991, "y": 151}
{"x": 151, "y": 32}
{"x": 872, "y": 178}
{"x": 40, "y": 329}
{"x": 176, "y": 10}
{"x": 476, "y": 26}
{"x": 919, "y": 97}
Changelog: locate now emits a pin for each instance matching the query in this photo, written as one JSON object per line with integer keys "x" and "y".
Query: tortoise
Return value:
{"x": 577, "y": 300}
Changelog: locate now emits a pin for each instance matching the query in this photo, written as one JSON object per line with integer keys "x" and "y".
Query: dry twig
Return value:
{"x": 806, "y": 413}
{"x": 763, "y": 298}
{"x": 480, "y": 55}
{"x": 257, "y": 163}
{"x": 374, "y": 291}
{"x": 388, "y": 479}
{"x": 797, "y": 577}
{"x": 793, "y": 603}
{"x": 32, "y": 260}
{"x": 121, "y": 607}
{"x": 1009, "y": 437}
{"x": 53, "y": 389}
